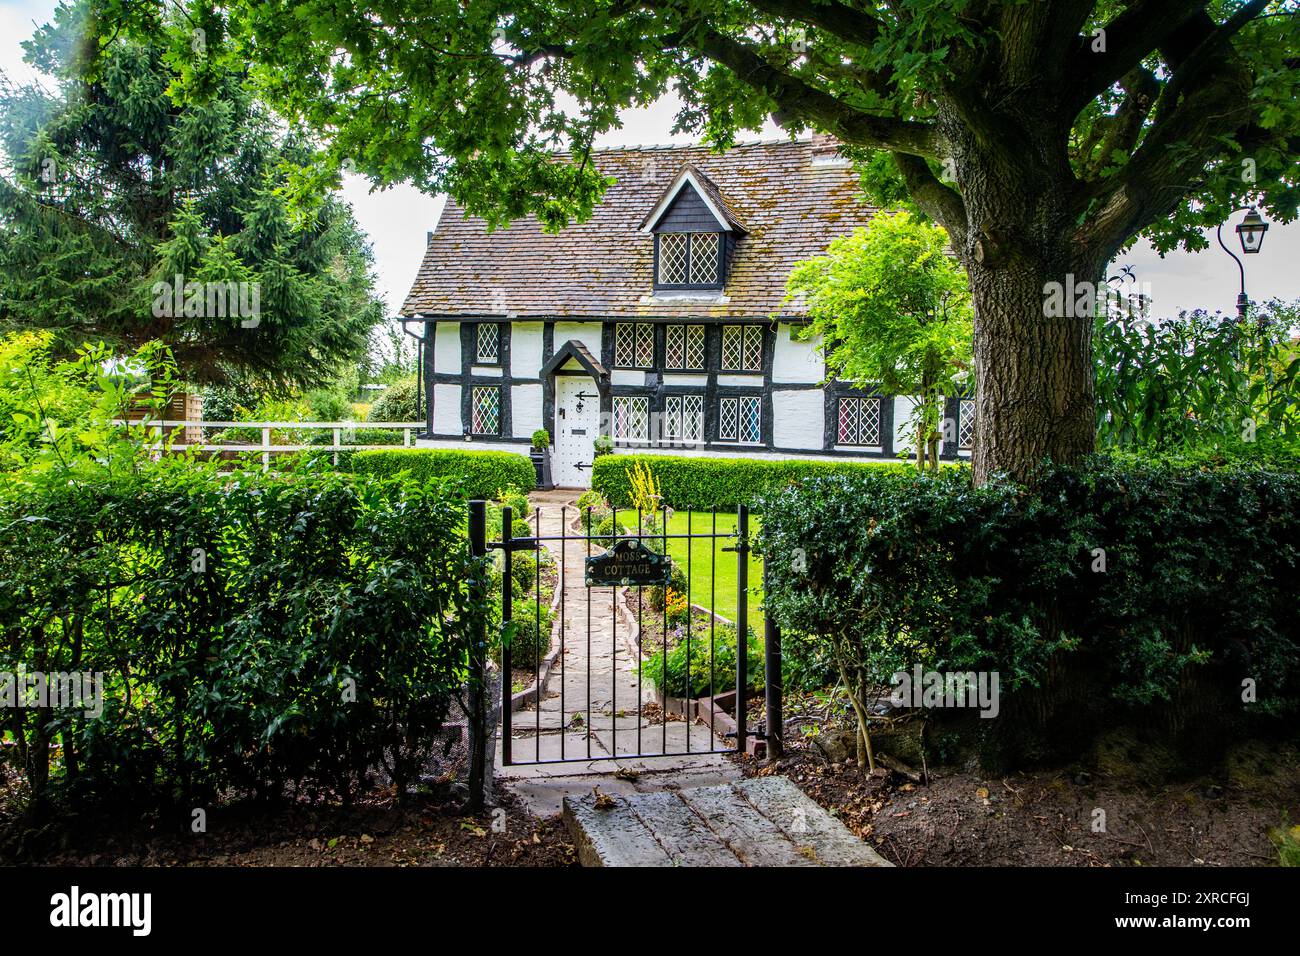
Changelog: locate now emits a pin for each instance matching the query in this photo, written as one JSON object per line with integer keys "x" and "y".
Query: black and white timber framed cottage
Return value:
{"x": 660, "y": 321}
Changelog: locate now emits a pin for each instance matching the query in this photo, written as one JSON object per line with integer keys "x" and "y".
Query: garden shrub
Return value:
{"x": 482, "y": 474}
{"x": 397, "y": 403}
{"x": 711, "y": 667}
{"x": 703, "y": 483}
{"x": 889, "y": 570}
{"x": 530, "y": 640}
{"x": 279, "y": 629}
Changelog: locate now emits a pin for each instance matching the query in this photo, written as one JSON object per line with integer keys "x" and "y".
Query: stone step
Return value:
{"x": 765, "y": 821}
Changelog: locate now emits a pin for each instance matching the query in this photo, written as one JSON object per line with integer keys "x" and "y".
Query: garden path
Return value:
{"x": 592, "y": 707}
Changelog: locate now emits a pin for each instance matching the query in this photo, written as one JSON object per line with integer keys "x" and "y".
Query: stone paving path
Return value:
{"x": 762, "y": 821}
{"x": 591, "y": 706}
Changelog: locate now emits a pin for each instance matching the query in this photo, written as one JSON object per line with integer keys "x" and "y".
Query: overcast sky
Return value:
{"x": 397, "y": 219}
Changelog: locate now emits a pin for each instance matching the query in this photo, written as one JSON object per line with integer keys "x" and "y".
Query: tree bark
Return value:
{"x": 1034, "y": 375}
{"x": 1034, "y": 379}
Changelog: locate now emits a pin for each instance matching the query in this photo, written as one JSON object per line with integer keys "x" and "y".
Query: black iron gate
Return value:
{"x": 624, "y": 676}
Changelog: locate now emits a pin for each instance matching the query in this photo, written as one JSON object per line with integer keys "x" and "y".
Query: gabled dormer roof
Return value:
{"x": 791, "y": 201}
{"x": 688, "y": 183}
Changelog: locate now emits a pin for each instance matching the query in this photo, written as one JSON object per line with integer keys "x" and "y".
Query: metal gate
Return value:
{"x": 591, "y": 696}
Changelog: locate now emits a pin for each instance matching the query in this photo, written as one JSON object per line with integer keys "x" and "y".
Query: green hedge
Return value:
{"x": 720, "y": 482}
{"x": 1107, "y": 593}
{"x": 483, "y": 474}
{"x": 252, "y": 630}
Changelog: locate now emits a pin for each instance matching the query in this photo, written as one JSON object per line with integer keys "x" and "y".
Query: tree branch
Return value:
{"x": 1130, "y": 38}
{"x": 938, "y": 201}
{"x": 798, "y": 98}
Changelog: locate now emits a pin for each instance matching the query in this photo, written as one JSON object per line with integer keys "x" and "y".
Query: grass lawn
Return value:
{"x": 707, "y": 577}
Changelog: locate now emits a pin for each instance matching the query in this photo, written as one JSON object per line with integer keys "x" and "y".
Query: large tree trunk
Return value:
{"x": 1033, "y": 372}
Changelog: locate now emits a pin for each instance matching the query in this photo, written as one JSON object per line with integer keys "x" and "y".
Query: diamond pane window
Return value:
{"x": 732, "y": 345}
{"x": 704, "y": 258}
{"x": 742, "y": 347}
{"x": 690, "y": 259}
{"x": 740, "y": 419}
{"x": 634, "y": 345}
{"x": 684, "y": 346}
{"x": 966, "y": 425}
{"x": 485, "y": 410}
{"x": 753, "y": 347}
{"x": 684, "y": 418}
{"x": 488, "y": 340}
{"x": 631, "y": 418}
{"x": 674, "y": 257}
{"x": 859, "y": 421}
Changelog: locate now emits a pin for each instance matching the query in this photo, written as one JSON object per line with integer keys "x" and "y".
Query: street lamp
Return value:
{"x": 1250, "y": 231}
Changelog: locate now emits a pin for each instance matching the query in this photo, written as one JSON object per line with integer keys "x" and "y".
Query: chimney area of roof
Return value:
{"x": 826, "y": 151}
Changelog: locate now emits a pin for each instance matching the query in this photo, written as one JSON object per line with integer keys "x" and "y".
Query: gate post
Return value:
{"x": 772, "y": 679}
{"x": 476, "y": 719}
{"x": 507, "y": 587}
{"x": 742, "y": 627}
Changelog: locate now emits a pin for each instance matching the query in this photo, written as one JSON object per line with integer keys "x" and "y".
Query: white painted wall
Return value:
{"x": 744, "y": 381}
{"x": 795, "y": 361}
{"x": 588, "y": 333}
{"x": 627, "y": 376}
{"x": 446, "y": 347}
{"x": 477, "y": 444}
{"x": 798, "y": 418}
{"x": 446, "y": 409}
{"x": 525, "y": 409}
{"x": 525, "y": 350}
{"x": 486, "y": 371}
{"x": 684, "y": 378}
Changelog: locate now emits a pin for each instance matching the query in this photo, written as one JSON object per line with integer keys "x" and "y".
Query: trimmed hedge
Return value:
{"x": 699, "y": 483}
{"x": 482, "y": 474}
{"x": 252, "y": 630}
{"x": 1111, "y": 593}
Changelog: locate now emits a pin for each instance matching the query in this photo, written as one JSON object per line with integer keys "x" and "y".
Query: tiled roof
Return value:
{"x": 791, "y": 206}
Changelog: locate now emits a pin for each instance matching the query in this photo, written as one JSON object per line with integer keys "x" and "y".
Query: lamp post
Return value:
{"x": 1250, "y": 231}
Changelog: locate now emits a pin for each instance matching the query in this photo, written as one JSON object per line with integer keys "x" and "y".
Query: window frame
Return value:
{"x": 968, "y": 442}
{"x": 701, "y": 432}
{"x": 880, "y": 421}
{"x": 645, "y": 439}
{"x": 473, "y": 409}
{"x": 687, "y": 330}
{"x": 478, "y": 358}
{"x": 719, "y": 264}
{"x": 637, "y": 328}
{"x": 745, "y": 329}
{"x": 740, "y": 399}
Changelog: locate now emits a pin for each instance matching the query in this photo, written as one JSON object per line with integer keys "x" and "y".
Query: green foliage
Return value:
{"x": 889, "y": 570}
{"x": 607, "y": 531}
{"x": 896, "y": 311}
{"x": 1287, "y": 842}
{"x": 279, "y": 629}
{"x": 115, "y": 189}
{"x": 483, "y": 474}
{"x": 1199, "y": 382}
{"x": 711, "y": 668}
{"x": 529, "y": 634}
{"x": 397, "y": 403}
{"x": 541, "y": 439}
{"x": 704, "y": 483}
{"x": 327, "y": 405}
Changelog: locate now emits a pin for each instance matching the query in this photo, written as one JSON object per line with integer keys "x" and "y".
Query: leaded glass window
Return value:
{"x": 485, "y": 410}
{"x": 742, "y": 347}
{"x": 631, "y": 418}
{"x": 634, "y": 345}
{"x": 684, "y": 347}
{"x": 740, "y": 419}
{"x": 859, "y": 421}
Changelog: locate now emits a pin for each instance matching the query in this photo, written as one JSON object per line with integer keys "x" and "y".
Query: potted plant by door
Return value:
{"x": 541, "y": 456}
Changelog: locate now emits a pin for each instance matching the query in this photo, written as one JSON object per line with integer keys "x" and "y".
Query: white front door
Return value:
{"x": 577, "y": 423}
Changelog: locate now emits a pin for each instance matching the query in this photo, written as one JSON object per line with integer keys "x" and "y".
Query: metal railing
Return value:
{"x": 267, "y": 429}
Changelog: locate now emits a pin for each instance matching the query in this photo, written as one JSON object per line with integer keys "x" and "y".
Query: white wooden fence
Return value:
{"x": 190, "y": 427}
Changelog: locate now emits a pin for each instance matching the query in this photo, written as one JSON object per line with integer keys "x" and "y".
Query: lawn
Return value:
{"x": 712, "y": 570}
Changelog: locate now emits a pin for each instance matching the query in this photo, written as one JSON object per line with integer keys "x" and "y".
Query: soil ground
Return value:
{"x": 1049, "y": 817}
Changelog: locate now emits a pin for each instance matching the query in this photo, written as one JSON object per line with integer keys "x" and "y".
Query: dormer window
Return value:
{"x": 689, "y": 259}
{"x": 694, "y": 231}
